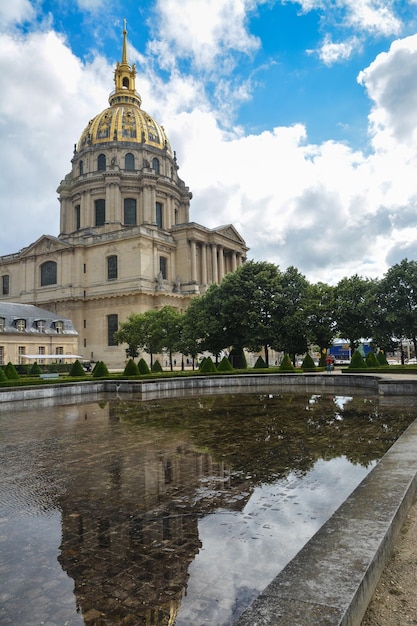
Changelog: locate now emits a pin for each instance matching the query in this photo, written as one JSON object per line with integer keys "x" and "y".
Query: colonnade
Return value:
{"x": 210, "y": 262}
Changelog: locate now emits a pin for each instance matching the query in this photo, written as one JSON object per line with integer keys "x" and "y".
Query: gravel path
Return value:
{"x": 394, "y": 602}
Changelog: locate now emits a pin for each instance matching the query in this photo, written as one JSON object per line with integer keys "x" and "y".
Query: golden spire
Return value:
{"x": 124, "y": 51}
{"x": 124, "y": 78}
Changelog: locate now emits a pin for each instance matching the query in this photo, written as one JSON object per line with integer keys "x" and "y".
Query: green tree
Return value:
{"x": 355, "y": 308}
{"x": 249, "y": 303}
{"x": 290, "y": 325}
{"x": 170, "y": 327}
{"x": 398, "y": 300}
{"x": 132, "y": 332}
{"x": 321, "y": 326}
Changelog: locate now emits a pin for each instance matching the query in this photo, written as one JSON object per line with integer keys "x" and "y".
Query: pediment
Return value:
{"x": 45, "y": 245}
{"x": 230, "y": 232}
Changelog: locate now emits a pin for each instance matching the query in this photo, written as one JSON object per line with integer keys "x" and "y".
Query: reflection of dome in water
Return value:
{"x": 124, "y": 120}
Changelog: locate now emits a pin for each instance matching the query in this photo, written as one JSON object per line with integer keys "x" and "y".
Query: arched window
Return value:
{"x": 112, "y": 267}
{"x": 129, "y": 161}
{"x": 129, "y": 212}
{"x": 125, "y": 82}
{"x": 155, "y": 165}
{"x": 81, "y": 167}
{"x": 48, "y": 273}
{"x": 100, "y": 210}
{"x": 101, "y": 162}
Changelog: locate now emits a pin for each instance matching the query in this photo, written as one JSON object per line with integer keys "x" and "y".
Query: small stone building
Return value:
{"x": 29, "y": 333}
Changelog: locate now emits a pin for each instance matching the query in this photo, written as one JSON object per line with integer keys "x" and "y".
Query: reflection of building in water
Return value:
{"x": 130, "y": 523}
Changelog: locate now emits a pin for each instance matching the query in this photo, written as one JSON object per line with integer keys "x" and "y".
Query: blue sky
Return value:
{"x": 294, "y": 120}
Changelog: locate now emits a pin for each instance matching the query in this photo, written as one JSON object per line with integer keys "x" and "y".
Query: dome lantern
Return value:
{"x": 124, "y": 78}
{"x": 124, "y": 121}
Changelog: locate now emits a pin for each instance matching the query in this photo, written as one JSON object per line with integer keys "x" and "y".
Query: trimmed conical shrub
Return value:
{"x": 131, "y": 369}
{"x": 100, "y": 370}
{"x": 157, "y": 367}
{"x": 357, "y": 361}
{"x": 35, "y": 370}
{"x": 225, "y": 365}
{"x": 77, "y": 369}
{"x": 308, "y": 363}
{"x": 143, "y": 367}
{"x": 11, "y": 372}
{"x": 371, "y": 360}
{"x": 237, "y": 359}
{"x": 3, "y": 376}
{"x": 381, "y": 358}
{"x": 260, "y": 364}
{"x": 286, "y": 365}
{"x": 208, "y": 367}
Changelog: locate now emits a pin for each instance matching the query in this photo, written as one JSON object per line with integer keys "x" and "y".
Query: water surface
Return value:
{"x": 172, "y": 511}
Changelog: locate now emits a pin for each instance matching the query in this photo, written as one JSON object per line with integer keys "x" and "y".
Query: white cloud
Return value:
{"x": 15, "y": 12}
{"x": 48, "y": 104}
{"x": 331, "y": 52}
{"x": 204, "y": 30}
{"x": 391, "y": 83}
{"x": 371, "y": 16}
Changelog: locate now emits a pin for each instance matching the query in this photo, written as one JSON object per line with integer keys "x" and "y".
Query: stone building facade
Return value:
{"x": 126, "y": 242}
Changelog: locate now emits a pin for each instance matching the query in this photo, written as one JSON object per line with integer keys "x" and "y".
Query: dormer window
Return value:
{"x": 20, "y": 325}
{"x": 40, "y": 325}
{"x": 59, "y": 327}
{"x": 2, "y": 324}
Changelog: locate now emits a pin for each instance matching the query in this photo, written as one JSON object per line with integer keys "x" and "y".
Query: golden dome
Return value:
{"x": 124, "y": 123}
{"x": 124, "y": 120}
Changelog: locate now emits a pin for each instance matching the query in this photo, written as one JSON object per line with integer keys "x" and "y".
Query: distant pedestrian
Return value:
{"x": 329, "y": 363}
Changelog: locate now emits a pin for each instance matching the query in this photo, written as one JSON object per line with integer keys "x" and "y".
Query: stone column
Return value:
{"x": 204, "y": 279}
{"x": 234, "y": 261}
{"x": 193, "y": 261}
{"x": 214, "y": 263}
{"x": 221, "y": 263}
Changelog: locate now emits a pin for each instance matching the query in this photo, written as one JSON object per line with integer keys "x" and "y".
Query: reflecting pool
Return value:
{"x": 172, "y": 512}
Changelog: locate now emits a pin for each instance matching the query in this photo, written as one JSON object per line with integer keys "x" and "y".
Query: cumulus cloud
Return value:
{"x": 204, "y": 31}
{"x": 371, "y": 16}
{"x": 16, "y": 12}
{"x": 391, "y": 84}
{"x": 46, "y": 107}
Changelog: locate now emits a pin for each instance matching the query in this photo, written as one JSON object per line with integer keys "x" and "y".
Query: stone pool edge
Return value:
{"x": 380, "y": 384}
